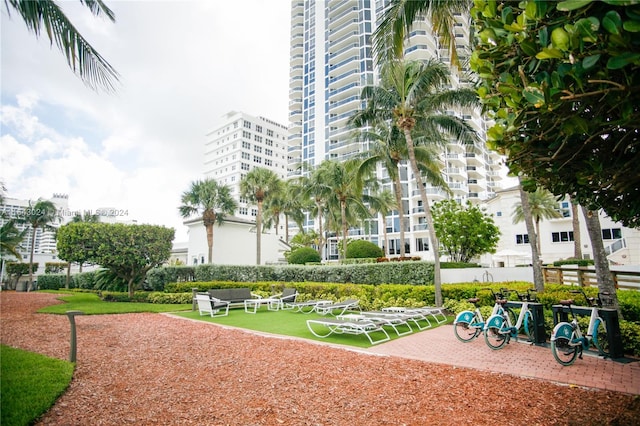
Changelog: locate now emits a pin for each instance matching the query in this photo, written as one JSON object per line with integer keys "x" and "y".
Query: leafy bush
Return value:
{"x": 579, "y": 262}
{"x": 55, "y": 267}
{"x": 457, "y": 265}
{"x": 19, "y": 268}
{"x": 158, "y": 277}
{"x": 51, "y": 281}
{"x": 359, "y": 249}
{"x": 303, "y": 255}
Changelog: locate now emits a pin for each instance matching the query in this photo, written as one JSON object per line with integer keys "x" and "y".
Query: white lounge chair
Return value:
{"x": 327, "y": 326}
{"x": 213, "y": 307}
{"x": 339, "y": 308}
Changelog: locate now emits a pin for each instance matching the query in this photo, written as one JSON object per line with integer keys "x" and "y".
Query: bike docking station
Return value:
{"x": 611, "y": 320}
{"x": 537, "y": 310}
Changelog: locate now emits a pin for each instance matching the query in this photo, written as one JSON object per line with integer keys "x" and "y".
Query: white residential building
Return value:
{"x": 240, "y": 143}
{"x": 331, "y": 62}
{"x": 622, "y": 244}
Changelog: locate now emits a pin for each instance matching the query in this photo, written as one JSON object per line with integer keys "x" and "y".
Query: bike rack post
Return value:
{"x": 73, "y": 346}
{"x": 537, "y": 310}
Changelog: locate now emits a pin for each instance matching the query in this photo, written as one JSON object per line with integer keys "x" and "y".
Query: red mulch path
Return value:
{"x": 152, "y": 369}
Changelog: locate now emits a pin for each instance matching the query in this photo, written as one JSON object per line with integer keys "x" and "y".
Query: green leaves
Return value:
{"x": 569, "y": 5}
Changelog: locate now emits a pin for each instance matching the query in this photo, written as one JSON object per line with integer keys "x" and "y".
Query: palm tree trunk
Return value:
{"x": 343, "y": 215}
{"x": 33, "y": 247}
{"x": 384, "y": 236}
{"x": 538, "y": 279}
{"x": 577, "y": 239}
{"x": 437, "y": 282}
{"x": 397, "y": 188}
{"x": 286, "y": 228}
{"x": 209, "y": 229}
{"x": 259, "y": 232}
{"x": 600, "y": 261}
{"x": 538, "y": 236}
{"x": 320, "y": 232}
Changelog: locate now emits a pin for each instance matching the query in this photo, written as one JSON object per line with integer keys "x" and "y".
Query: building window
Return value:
{"x": 246, "y": 145}
{"x": 522, "y": 239}
{"x": 257, "y": 159}
{"x": 564, "y": 208}
{"x": 246, "y": 155}
{"x": 243, "y": 210}
{"x": 612, "y": 234}
{"x": 257, "y": 148}
{"x": 269, "y": 132}
{"x": 258, "y": 129}
{"x": 499, "y": 214}
{"x": 247, "y": 124}
{"x": 562, "y": 237}
{"x": 257, "y": 138}
{"x": 244, "y": 166}
{"x": 422, "y": 244}
{"x": 269, "y": 142}
{"x": 268, "y": 152}
{"x": 246, "y": 134}
{"x": 254, "y": 212}
{"x": 268, "y": 162}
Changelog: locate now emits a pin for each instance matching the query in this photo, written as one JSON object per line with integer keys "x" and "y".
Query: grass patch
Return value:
{"x": 287, "y": 323}
{"x": 91, "y": 304}
{"x": 30, "y": 383}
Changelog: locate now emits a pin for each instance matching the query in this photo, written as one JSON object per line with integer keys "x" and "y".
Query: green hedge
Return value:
{"x": 158, "y": 277}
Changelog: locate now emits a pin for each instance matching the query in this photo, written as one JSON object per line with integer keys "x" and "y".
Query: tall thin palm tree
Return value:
{"x": 39, "y": 215}
{"x": 413, "y": 96}
{"x": 383, "y": 203}
{"x": 538, "y": 279}
{"x": 258, "y": 185}
{"x": 543, "y": 205}
{"x": 211, "y": 200}
{"x": 344, "y": 187}
{"x": 294, "y": 206}
{"x": 312, "y": 188}
{"x": 397, "y": 20}
{"x": 10, "y": 239}
{"x": 388, "y": 148}
{"x": 46, "y": 16}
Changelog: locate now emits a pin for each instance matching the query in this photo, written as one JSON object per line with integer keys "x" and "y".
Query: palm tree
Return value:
{"x": 383, "y": 203}
{"x": 312, "y": 188}
{"x": 388, "y": 39}
{"x": 38, "y": 216}
{"x": 538, "y": 279}
{"x": 413, "y": 97}
{"x": 543, "y": 205}
{"x": 211, "y": 200}
{"x": 294, "y": 206}
{"x": 390, "y": 149}
{"x": 344, "y": 187}
{"x": 82, "y": 58}
{"x": 258, "y": 185}
{"x": 10, "y": 239}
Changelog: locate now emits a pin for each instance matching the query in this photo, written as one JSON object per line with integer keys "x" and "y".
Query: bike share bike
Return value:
{"x": 567, "y": 340}
{"x": 502, "y": 326}
{"x": 469, "y": 324}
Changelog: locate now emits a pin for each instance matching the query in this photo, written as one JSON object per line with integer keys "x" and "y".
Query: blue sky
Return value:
{"x": 183, "y": 65}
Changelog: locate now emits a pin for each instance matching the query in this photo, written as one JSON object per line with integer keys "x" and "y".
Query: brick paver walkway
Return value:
{"x": 520, "y": 359}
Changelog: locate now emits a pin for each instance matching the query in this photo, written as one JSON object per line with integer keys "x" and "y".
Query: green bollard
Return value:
{"x": 72, "y": 320}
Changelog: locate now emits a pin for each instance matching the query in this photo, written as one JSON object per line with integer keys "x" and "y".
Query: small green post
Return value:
{"x": 72, "y": 320}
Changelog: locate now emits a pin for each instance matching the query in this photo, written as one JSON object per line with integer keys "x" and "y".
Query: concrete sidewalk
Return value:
{"x": 519, "y": 359}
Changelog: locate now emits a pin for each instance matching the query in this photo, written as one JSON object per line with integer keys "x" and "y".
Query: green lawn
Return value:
{"x": 30, "y": 383}
{"x": 91, "y": 304}
{"x": 287, "y": 323}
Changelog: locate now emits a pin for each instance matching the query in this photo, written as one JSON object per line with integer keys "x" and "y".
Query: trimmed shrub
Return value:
{"x": 360, "y": 249}
{"x": 158, "y": 277}
{"x": 303, "y": 255}
{"x": 52, "y": 281}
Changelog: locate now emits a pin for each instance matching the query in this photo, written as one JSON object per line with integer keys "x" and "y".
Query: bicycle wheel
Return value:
{"x": 562, "y": 352}
{"x": 600, "y": 338}
{"x": 464, "y": 332}
{"x": 494, "y": 339}
{"x": 528, "y": 325}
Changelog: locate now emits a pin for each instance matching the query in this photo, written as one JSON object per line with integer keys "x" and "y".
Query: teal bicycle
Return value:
{"x": 567, "y": 340}
{"x": 501, "y": 327}
{"x": 469, "y": 324}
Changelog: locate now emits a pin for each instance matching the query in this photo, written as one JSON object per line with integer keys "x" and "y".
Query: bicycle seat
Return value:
{"x": 501, "y": 302}
{"x": 566, "y": 302}
{"x": 473, "y": 300}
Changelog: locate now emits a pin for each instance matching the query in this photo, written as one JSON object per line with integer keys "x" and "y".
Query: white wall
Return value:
{"x": 466, "y": 275}
{"x": 234, "y": 243}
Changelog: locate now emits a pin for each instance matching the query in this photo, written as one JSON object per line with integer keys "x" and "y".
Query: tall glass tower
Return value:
{"x": 331, "y": 62}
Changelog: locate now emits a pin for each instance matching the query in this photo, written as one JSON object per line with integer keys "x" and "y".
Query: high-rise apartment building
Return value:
{"x": 331, "y": 61}
{"x": 241, "y": 143}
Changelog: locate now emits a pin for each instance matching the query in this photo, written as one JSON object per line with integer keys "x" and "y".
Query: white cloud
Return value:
{"x": 183, "y": 65}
